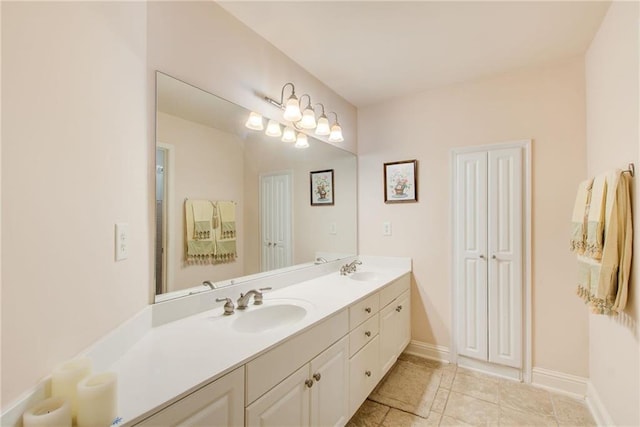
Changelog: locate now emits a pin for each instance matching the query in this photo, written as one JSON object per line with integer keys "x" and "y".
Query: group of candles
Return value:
{"x": 77, "y": 395}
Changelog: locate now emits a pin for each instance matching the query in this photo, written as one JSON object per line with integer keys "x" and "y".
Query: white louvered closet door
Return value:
{"x": 489, "y": 255}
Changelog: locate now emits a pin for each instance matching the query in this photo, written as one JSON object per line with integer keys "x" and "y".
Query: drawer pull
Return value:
{"x": 368, "y": 309}
{"x": 309, "y": 383}
{"x": 367, "y": 373}
{"x": 317, "y": 376}
{"x": 368, "y": 333}
{"x": 399, "y": 308}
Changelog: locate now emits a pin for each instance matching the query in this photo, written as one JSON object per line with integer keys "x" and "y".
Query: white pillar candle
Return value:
{"x": 97, "y": 400}
{"x": 65, "y": 379}
{"x": 52, "y": 412}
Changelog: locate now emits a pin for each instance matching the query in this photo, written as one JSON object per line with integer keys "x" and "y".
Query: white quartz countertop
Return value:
{"x": 177, "y": 358}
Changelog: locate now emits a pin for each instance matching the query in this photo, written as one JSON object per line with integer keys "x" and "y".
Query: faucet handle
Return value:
{"x": 257, "y": 298}
{"x": 228, "y": 305}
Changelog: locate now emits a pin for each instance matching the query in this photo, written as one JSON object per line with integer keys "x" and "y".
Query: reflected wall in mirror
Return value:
{"x": 205, "y": 152}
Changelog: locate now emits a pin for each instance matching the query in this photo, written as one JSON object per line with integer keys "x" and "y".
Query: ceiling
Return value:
{"x": 371, "y": 51}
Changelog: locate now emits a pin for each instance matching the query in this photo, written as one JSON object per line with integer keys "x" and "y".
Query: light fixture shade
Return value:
{"x": 292, "y": 110}
{"x": 308, "y": 120}
{"x": 323, "y": 128}
{"x": 302, "y": 141}
{"x": 289, "y": 135}
{"x": 336, "y": 133}
{"x": 254, "y": 122}
{"x": 273, "y": 129}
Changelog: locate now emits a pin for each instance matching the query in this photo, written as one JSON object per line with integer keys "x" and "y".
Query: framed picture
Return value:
{"x": 322, "y": 190}
{"x": 401, "y": 181}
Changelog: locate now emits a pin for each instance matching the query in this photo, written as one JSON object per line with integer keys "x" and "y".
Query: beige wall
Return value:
{"x": 544, "y": 104}
{"x": 74, "y": 163}
{"x": 208, "y": 164}
{"x": 612, "y": 73}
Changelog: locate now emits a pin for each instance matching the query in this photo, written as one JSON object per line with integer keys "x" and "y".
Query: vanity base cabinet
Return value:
{"x": 314, "y": 395}
{"x": 395, "y": 330}
{"x": 220, "y": 403}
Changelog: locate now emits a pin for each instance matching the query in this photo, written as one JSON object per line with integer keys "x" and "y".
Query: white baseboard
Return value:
{"x": 428, "y": 351}
{"x": 571, "y": 385}
{"x": 598, "y": 411}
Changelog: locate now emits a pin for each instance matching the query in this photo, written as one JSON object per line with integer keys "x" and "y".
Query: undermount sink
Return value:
{"x": 364, "y": 276}
{"x": 268, "y": 317}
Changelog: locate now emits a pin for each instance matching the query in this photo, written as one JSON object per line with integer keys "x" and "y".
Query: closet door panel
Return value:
{"x": 471, "y": 287}
{"x": 505, "y": 229}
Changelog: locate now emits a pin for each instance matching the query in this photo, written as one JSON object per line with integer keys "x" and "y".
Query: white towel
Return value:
{"x": 200, "y": 241}
{"x": 595, "y": 221}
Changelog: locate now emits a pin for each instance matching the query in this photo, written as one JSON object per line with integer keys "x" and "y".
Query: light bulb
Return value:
{"x": 302, "y": 141}
{"x": 289, "y": 135}
{"x": 323, "y": 126}
{"x": 273, "y": 129}
{"x": 292, "y": 110}
{"x": 308, "y": 120}
{"x": 254, "y": 122}
{"x": 336, "y": 133}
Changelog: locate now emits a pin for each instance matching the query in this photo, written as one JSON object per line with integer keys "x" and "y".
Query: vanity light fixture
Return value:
{"x": 292, "y": 111}
{"x": 308, "y": 120}
{"x": 255, "y": 121}
{"x": 301, "y": 141}
{"x": 289, "y": 134}
{"x": 273, "y": 129}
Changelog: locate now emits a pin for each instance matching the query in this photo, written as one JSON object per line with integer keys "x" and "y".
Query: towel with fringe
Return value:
{"x": 201, "y": 243}
{"x": 579, "y": 219}
{"x": 595, "y": 219}
{"x": 603, "y": 283}
{"x": 227, "y": 215}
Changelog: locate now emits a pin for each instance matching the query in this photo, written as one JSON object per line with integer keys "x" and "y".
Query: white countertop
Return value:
{"x": 175, "y": 359}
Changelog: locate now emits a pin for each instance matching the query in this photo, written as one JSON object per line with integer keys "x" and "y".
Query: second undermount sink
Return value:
{"x": 268, "y": 317}
{"x": 364, "y": 276}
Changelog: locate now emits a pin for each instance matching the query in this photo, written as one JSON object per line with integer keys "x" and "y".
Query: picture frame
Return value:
{"x": 321, "y": 188}
{"x": 401, "y": 181}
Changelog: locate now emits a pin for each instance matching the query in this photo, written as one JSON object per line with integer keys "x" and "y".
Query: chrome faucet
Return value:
{"x": 209, "y": 283}
{"x": 243, "y": 301}
{"x": 350, "y": 268}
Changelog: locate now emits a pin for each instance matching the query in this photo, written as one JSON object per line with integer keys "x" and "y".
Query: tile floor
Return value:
{"x": 418, "y": 392}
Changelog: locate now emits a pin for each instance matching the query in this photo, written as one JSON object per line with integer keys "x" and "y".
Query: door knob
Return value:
{"x": 317, "y": 376}
{"x": 309, "y": 383}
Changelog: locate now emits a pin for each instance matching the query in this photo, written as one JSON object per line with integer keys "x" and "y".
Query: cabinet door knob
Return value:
{"x": 494, "y": 257}
{"x": 399, "y": 308}
{"x": 367, "y": 373}
{"x": 368, "y": 333}
{"x": 317, "y": 376}
{"x": 368, "y": 309}
{"x": 309, "y": 383}
{"x": 481, "y": 257}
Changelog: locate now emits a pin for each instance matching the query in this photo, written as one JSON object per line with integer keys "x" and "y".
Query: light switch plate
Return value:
{"x": 386, "y": 228}
{"x": 122, "y": 241}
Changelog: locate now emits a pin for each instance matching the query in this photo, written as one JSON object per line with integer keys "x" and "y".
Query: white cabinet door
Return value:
{"x": 286, "y": 405}
{"x": 364, "y": 374}
{"x": 395, "y": 331}
{"x": 489, "y": 219}
{"x": 505, "y": 263}
{"x": 220, "y": 403}
{"x": 471, "y": 244}
{"x": 330, "y": 370}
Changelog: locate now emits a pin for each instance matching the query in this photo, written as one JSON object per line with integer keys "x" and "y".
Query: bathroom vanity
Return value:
{"x": 308, "y": 370}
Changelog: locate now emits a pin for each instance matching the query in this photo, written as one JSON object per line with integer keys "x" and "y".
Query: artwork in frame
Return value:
{"x": 322, "y": 191}
{"x": 401, "y": 181}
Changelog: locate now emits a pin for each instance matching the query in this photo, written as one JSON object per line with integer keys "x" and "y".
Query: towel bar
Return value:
{"x": 631, "y": 170}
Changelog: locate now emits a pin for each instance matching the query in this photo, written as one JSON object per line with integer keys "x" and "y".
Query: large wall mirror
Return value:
{"x": 245, "y": 197}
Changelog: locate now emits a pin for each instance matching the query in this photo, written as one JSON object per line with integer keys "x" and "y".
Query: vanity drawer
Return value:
{"x": 361, "y": 311}
{"x": 363, "y": 334}
{"x": 392, "y": 291}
